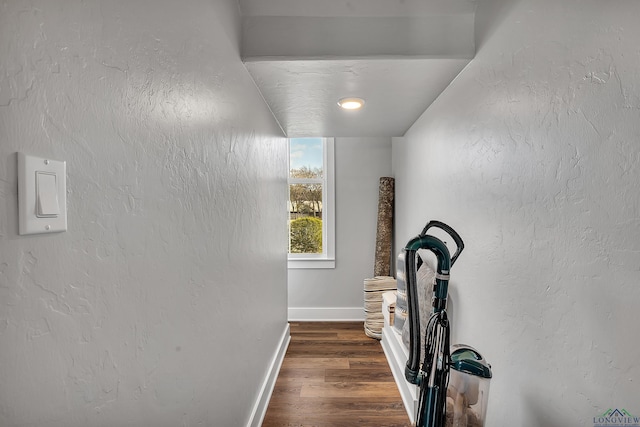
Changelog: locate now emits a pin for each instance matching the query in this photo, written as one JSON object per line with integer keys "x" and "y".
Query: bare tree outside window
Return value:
{"x": 306, "y": 180}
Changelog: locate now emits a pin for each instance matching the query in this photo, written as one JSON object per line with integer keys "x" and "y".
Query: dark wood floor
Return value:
{"x": 334, "y": 375}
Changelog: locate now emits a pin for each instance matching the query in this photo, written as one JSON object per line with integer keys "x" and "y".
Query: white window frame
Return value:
{"x": 327, "y": 258}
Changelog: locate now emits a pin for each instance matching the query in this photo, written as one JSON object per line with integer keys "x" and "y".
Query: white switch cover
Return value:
{"x": 42, "y": 195}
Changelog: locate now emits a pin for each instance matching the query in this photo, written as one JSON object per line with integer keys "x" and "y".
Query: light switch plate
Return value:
{"x": 29, "y": 221}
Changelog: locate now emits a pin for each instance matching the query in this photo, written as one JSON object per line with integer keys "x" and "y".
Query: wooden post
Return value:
{"x": 382, "y": 266}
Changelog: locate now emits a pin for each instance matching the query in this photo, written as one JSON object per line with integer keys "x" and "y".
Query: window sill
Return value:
{"x": 311, "y": 263}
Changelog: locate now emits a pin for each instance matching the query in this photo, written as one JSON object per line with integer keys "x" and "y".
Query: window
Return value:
{"x": 311, "y": 203}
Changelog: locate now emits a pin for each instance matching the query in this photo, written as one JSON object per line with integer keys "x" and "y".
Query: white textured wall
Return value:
{"x": 533, "y": 155}
{"x": 359, "y": 163}
{"x": 150, "y": 309}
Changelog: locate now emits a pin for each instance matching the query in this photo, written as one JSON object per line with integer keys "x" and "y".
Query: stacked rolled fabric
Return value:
{"x": 373, "y": 317}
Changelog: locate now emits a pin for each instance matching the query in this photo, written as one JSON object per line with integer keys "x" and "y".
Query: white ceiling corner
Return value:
{"x": 398, "y": 55}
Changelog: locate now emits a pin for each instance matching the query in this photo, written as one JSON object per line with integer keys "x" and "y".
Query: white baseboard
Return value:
{"x": 397, "y": 355}
{"x": 326, "y": 314}
{"x": 262, "y": 403}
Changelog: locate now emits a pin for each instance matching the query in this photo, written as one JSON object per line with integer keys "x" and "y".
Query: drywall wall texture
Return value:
{"x": 359, "y": 164}
{"x": 149, "y": 310}
{"x": 532, "y": 154}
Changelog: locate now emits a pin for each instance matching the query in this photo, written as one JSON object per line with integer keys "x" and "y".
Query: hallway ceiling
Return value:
{"x": 398, "y": 55}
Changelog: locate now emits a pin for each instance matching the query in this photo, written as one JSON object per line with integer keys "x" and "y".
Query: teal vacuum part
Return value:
{"x": 441, "y": 251}
{"x": 434, "y": 377}
{"x": 433, "y": 392}
{"x": 467, "y": 359}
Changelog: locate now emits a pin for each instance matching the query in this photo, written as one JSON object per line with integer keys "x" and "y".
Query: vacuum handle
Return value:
{"x": 451, "y": 232}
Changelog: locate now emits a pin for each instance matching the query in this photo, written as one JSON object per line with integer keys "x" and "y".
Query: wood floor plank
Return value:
{"x": 322, "y": 348}
{"x": 325, "y": 326}
{"x": 333, "y": 420}
{"x": 338, "y": 412}
{"x": 315, "y": 362}
{"x": 352, "y": 335}
{"x": 333, "y": 375}
{"x": 315, "y": 336}
{"x": 302, "y": 375}
{"x": 368, "y": 363}
{"x": 287, "y": 391}
{"x": 357, "y": 375}
{"x": 342, "y": 405}
{"x": 348, "y": 389}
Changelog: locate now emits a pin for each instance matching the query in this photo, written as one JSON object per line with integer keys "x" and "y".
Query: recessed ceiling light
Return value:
{"x": 351, "y": 103}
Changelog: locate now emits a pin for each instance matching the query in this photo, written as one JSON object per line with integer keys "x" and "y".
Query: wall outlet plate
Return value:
{"x": 42, "y": 195}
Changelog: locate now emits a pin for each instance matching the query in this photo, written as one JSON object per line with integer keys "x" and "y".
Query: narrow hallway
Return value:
{"x": 334, "y": 375}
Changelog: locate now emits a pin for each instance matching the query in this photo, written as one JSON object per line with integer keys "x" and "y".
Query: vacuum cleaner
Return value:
{"x": 453, "y": 380}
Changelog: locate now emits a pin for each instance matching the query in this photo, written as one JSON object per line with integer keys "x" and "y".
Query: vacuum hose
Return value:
{"x": 434, "y": 377}
{"x": 441, "y": 288}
